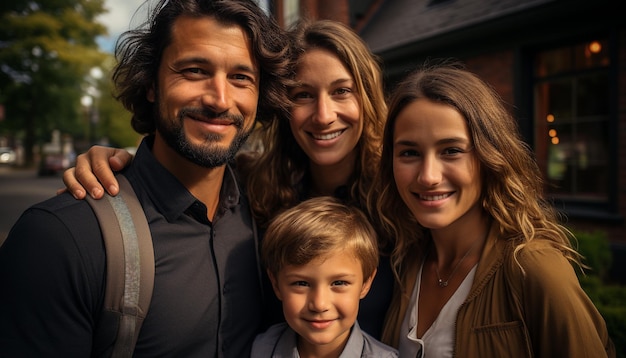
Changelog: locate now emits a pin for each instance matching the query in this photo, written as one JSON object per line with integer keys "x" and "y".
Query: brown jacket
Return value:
{"x": 542, "y": 313}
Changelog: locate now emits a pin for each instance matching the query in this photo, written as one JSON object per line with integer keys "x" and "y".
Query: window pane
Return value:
{"x": 560, "y": 101}
{"x": 592, "y": 95}
{"x": 590, "y": 161}
{"x": 586, "y": 55}
{"x": 577, "y": 163}
{"x": 572, "y": 110}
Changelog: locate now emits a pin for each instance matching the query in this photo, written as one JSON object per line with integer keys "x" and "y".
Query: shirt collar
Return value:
{"x": 355, "y": 342}
{"x": 287, "y": 343}
{"x": 170, "y": 197}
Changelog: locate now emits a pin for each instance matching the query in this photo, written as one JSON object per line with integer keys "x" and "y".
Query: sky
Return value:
{"x": 118, "y": 20}
{"x": 119, "y": 17}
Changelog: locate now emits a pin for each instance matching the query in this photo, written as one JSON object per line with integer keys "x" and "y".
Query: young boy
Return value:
{"x": 321, "y": 257}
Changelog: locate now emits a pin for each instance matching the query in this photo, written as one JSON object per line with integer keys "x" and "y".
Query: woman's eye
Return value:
{"x": 301, "y": 96}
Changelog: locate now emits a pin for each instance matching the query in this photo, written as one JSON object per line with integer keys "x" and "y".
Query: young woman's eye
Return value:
{"x": 453, "y": 151}
{"x": 408, "y": 153}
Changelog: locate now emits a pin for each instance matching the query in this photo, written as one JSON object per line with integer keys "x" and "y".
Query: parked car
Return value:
{"x": 7, "y": 156}
{"x": 53, "y": 163}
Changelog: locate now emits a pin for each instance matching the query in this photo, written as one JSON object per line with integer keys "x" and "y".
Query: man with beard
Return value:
{"x": 196, "y": 79}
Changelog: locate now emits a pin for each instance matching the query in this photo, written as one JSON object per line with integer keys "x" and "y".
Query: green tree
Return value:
{"x": 114, "y": 119}
{"x": 47, "y": 47}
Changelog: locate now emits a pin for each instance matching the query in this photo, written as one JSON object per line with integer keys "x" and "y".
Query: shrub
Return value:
{"x": 609, "y": 299}
{"x": 595, "y": 248}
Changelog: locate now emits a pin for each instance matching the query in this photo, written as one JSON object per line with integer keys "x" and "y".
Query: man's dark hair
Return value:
{"x": 139, "y": 53}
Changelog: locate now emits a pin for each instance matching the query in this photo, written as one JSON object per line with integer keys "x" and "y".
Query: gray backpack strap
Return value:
{"x": 130, "y": 266}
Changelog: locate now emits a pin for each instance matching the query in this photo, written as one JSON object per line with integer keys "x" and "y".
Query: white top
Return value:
{"x": 438, "y": 340}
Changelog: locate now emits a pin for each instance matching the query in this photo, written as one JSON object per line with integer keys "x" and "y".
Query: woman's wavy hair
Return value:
{"x": 274, "y": 176}
{"x": 512, "y": 184}
{"x": 139, "y": 51}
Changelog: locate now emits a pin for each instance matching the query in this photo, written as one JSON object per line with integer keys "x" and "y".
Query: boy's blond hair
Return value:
{"x": 316, "y": 228}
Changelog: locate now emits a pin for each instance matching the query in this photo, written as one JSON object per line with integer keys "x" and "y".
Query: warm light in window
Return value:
{"x": 555, "y": 140}
{"x": 552, "y": 133}
{"x": 595, "y": 47}
{"x": 550, "y": 118}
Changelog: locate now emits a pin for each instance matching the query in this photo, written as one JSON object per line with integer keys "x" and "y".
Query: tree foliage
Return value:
{"x": 114, "y": 121}
{"x": 47, "y": 48}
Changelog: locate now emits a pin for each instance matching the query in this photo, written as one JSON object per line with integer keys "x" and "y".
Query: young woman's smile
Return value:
{"x": 436, "y": 171}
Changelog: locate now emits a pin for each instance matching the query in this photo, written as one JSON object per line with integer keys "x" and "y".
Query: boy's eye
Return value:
{"x": 300, "y": 283}
{"x": 340, "y": 283}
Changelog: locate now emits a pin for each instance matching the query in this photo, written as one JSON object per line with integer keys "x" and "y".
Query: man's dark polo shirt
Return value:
{"x": 206, "y": 300}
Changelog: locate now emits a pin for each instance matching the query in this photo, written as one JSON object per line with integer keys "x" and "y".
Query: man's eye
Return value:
{"x": 193, "y": 70}
{"x": 193, "y": 73}
{"x": 241, "y": 77}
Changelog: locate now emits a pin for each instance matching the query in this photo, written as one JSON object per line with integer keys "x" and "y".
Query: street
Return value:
{"x": 19, "y": 189}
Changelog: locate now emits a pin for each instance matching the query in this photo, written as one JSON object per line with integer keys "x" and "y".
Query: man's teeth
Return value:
{"x": 326, "y": 136}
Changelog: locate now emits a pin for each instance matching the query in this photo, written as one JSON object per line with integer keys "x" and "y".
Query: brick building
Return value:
{"x": 559, "y": 64}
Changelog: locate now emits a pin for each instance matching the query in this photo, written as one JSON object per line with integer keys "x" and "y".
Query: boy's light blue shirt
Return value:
{"x": 279, "y": 341}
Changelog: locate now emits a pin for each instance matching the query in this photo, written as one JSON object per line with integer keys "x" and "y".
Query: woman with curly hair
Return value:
{"x": 328, "y": 143}
{"x": 485, "y": 269}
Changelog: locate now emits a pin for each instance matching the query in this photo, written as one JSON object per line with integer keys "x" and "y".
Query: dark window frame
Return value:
{"x": 578, "y": 207}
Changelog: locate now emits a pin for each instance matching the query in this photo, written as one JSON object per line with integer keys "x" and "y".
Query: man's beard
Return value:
{"x": 209, "y": 154}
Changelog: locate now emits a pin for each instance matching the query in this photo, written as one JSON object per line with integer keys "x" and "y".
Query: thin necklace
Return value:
{"x": 443, "y": 283}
